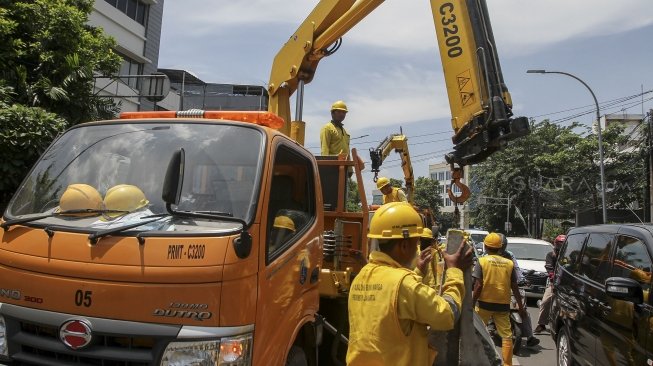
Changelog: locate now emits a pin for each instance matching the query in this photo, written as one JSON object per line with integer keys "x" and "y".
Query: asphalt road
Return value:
{"x": 544, "y": 354}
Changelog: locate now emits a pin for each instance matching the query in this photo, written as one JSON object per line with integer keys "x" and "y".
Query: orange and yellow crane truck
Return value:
{"x": 212, "y": 238}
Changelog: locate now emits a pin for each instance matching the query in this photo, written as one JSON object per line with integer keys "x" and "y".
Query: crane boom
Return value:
{"x": 398, "y": 143}
{"x": 481, "y": 106}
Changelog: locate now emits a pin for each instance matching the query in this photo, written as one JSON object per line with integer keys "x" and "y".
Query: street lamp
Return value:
{"x": 598, "y": 121}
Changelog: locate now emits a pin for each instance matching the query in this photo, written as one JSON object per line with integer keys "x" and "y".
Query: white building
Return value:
{"x": 136, "y": 27}
{"x": 442, "y": 173}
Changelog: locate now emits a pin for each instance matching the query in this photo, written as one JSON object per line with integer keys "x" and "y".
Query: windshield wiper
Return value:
{"x": 216, "y": 213}
{"x": 93, "y": 238}
{"x": 23, "y": 220}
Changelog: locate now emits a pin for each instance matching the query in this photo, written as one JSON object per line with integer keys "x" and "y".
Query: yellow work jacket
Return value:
{"x": 497, "y": 279}
{"x": 334, "y": 140}
{"x": 389, "y": 310}
{"x": 397, "y": 195}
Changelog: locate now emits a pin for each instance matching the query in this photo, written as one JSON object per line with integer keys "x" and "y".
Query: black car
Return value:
{"x": 601, "y": 311}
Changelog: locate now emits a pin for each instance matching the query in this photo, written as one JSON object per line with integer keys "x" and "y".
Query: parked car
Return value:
{"x": 531, "y": 255}
{"x": 601, "y": 312}
{"x": 477, "y": 237}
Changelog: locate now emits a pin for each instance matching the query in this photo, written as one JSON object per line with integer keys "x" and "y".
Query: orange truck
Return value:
{"x": 214, "y": 238}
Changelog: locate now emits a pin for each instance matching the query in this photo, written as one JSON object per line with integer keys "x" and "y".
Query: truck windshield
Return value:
{"x": 122, "y": 167}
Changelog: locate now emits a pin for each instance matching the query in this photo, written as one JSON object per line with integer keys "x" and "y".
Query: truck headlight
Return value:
{"x": 3, "y": 337}
{"x": 227, "y": 351}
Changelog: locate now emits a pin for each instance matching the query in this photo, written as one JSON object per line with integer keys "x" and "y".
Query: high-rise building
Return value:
{"x": 136, "y": 27}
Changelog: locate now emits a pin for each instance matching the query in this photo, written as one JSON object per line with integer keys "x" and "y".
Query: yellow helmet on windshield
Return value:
{"x": 124, "y": 197}
{"x": 80, "y": 197}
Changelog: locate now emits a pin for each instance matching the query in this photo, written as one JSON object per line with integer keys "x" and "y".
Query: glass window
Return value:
{"x": 221, "y": 174}
{"x": 292, "y": 200}
{"x": 632, "y": 260}
{"x": 131, "y": 8}
{"x": 122, "y": 5}
{"x": 595, "y": 263}
{"x": 141, "y": 13}
{"x": 570, "y": 254}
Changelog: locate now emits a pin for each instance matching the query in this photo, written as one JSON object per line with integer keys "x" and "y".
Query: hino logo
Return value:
{"x": 183, "y": 314}
{"x": 76, "y": 333}
{"x": 10, "y": 294}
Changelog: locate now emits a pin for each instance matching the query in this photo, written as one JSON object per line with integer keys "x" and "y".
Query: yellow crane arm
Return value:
{"x": 481, "y": 106}
{"x": 398, "y": 143}
{"x": 295, "y": 64}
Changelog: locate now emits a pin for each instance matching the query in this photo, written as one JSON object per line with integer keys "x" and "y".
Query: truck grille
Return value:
{"x": 37, "y": 344}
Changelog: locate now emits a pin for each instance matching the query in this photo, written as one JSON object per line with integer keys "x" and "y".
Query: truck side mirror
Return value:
{"x": 174, "y": 179}
{"x": 625, "y": 289}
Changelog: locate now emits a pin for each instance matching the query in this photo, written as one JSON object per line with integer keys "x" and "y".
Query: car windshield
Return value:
{"x": 478, "y": 238}
{"x": 527, "y": 251}
{"x": 123, "y": 166}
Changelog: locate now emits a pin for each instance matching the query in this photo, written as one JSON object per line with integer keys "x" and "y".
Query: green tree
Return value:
{"x": 25, "y": 132}
{"x": 49, "y": 54}
{"x": 427, "y": 195}
{"x": 353, "y": 197}
{"x": 555, "y": 170}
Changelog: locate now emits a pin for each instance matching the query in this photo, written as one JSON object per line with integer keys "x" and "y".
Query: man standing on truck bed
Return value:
{"x": 389, "y": 306}
{"x": 334, "y": 139}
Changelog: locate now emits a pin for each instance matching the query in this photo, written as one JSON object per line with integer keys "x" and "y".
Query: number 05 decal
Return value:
{"x": 83, "y": 298}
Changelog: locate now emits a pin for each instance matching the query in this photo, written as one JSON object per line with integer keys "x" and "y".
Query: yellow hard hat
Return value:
{"x": 124, "y": 197}
{"x": 427, "y": 233}
{"x": 382, "y": 182}
{"x": 80, "y": 197}
{"x": 396, "y": 220}
{"x": 493, "y": 240}
{"x": 339, "y": 105}
{"x": 284, "y": 222}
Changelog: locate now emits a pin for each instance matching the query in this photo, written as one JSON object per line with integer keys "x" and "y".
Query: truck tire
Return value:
{"x": 563, "y": 346}
{"x": 296, "y": 357}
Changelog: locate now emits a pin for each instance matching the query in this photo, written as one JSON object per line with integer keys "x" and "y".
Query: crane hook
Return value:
{"x": 456, "y": 176}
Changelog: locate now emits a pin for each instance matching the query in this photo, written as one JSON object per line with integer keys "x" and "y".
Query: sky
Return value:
{"x": 388, "y": 69}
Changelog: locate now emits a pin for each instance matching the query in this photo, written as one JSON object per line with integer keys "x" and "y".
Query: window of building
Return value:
{"x": 434, "y": 176}
{"x": 448, "y": 175}
{"x": 440, "y": 176}
{"x": 132, "y": 8}
{"x": 292, "y": 200}
{"x": 131, "y": 67}
{"x": 595, "y": 263}
{"x": 447, "y": 202}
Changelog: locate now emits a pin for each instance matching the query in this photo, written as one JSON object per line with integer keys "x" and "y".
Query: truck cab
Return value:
{"x": 207, "y": 279}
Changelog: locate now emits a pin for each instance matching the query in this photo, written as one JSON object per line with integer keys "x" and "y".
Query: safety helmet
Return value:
{"x": 284, "y": 222}
{"x": 382, "y": 182}
{"x": 493, "y": 240}
{"x": 124, "y": 197}
{"x": 427, "y": 233}
{"x": 80, "y": 197}
{"x": 339, "y": 105}
{"x": 396, "y": 220}
{"x": 560, "y": 239}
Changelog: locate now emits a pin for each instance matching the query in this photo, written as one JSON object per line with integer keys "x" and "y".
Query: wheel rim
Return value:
{"x": 563, "y": 350}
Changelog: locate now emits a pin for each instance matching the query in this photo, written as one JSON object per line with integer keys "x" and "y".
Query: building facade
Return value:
{"x": 136, "y": 27}
{"x": 442, "y": 173}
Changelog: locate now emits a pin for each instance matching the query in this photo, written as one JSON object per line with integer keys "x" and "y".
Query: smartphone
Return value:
{"x": 455, "y": 238}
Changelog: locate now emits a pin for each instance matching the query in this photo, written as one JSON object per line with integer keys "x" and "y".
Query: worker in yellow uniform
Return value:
{"x": 390, "y": 309}
{"x": 495, "y": 277}
{"x": 390, "y": 193}
{"x": 334, "y": 139}
{"x": 431, "y": 271}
